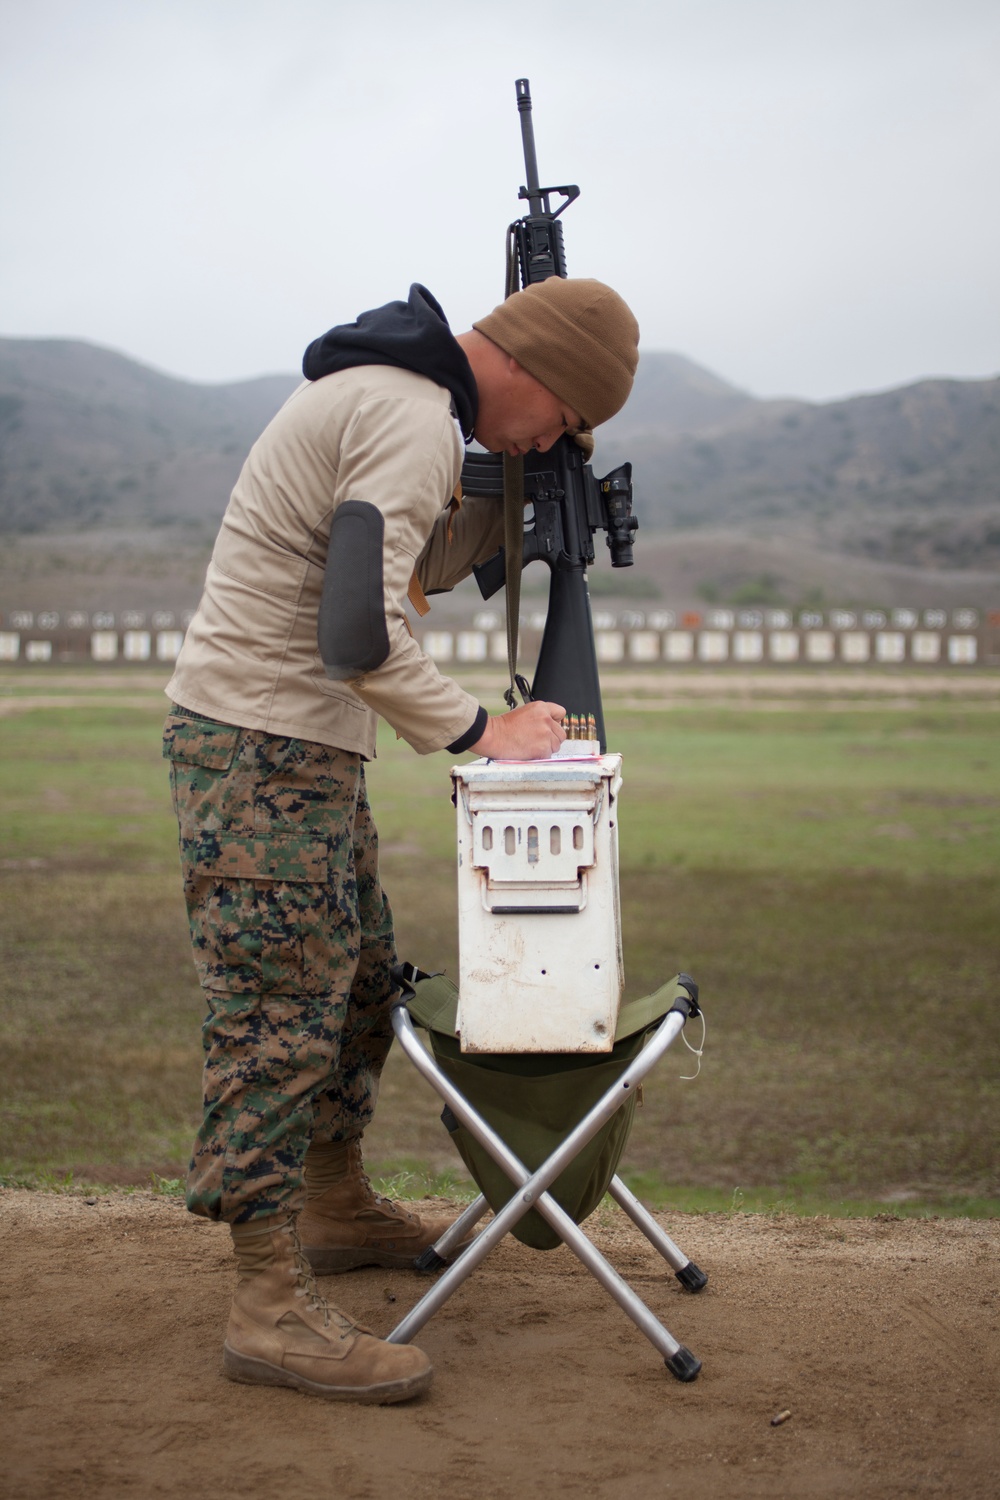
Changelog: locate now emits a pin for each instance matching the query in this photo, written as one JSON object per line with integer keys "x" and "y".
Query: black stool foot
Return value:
{"x": 683, "y": 1364}
{"x": 429, "y": 1261}
{"x": 691, "y": 1278}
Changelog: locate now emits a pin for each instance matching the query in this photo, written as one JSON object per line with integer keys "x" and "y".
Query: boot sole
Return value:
{"x": 333, "y": 1262}
{"x": 248, "y": 1371}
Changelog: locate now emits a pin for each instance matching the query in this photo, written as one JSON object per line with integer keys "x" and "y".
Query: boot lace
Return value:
{"x": 378, "y": 1199}
{"x": 306, "y": 1286}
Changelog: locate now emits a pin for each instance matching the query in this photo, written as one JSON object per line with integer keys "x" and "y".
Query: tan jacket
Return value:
{"x": 250, "y": 657}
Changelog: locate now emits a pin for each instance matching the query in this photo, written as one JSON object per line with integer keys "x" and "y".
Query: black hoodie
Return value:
{"x": 413, "y": 335}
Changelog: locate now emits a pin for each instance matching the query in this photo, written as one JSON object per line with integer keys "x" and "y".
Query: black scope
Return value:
{"x": 616, "y": 491}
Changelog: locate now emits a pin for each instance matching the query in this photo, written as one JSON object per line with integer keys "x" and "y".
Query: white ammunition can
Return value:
{"x": 539, "y": 915}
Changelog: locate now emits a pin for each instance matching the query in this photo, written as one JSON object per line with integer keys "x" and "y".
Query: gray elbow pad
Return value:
{"x": 353, "y": 635}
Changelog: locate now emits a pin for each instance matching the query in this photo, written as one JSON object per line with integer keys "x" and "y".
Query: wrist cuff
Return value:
{"x": 475, "y": 732}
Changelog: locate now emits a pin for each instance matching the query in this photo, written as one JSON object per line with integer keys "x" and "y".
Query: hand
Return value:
{"x": 532, "y": 732}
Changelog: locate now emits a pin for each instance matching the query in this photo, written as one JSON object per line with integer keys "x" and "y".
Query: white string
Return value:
{"x": 690, "y": 1077}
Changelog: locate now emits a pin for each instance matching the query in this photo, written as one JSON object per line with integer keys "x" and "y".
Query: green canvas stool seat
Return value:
{"x": 534, "y": 1100}
{"x": 542, "y": 1134}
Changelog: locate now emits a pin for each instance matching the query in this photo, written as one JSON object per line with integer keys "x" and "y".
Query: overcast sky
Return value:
{"x": 799, "y": 194}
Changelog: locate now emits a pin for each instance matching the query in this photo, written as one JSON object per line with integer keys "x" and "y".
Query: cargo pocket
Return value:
{"x": 200, "y": 742}
{"x": 268, "y": 914}
{"x": 209, "y": 785}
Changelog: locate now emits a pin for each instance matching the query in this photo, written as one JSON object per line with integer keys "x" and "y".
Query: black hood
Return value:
{"x": 413, "y": 335}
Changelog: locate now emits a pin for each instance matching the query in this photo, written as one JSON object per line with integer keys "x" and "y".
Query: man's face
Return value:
{"x": 517, "y": 413}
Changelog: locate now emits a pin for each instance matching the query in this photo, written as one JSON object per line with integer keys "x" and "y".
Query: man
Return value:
{"x": 344, "y": 506}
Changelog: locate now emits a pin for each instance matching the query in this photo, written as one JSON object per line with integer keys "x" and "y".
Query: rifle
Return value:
{"x": 569, "y": 503}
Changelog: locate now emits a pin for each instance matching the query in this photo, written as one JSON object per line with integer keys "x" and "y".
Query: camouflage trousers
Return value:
{"x": 293, "y": 943}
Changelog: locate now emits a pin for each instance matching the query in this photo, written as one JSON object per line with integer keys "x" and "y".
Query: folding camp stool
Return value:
{"x": 533, "y": 1186}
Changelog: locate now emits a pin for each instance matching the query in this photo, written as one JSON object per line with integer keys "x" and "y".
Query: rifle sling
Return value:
{"x": 513, "y": 527}
{"x": 513, "y": 511}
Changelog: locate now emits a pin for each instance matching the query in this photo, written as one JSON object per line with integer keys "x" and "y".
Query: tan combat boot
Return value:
{"x": 282, "y": 1332}
{"x": 346, "y": 1224}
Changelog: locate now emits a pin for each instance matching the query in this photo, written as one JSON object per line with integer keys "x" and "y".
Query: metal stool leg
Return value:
{"x": 438, "y": 1255}
{"x": 679, "y": 1360}
{"x": 687, "y": 1273}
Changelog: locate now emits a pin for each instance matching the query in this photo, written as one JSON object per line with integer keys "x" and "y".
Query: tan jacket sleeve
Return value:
{"x": 404, "y": 456}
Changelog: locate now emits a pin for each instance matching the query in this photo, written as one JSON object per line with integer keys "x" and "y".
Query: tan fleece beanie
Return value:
{"x": 576, "y": 336}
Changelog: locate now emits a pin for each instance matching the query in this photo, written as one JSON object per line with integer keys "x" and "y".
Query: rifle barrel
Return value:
{"x": 523, "y": 90}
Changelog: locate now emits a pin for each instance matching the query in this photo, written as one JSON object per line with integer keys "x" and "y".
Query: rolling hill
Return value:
{"x": 89, "y": 438}
{"x": 910, "y": 475}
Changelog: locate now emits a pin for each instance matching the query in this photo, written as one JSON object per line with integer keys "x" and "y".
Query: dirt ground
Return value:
{"x": 880, "y": 1337}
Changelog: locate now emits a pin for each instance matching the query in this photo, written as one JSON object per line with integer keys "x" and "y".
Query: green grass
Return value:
{"x": 830, "y": 876}
{"x": 685, "y": 1199}
{"x": 805, "y": 793}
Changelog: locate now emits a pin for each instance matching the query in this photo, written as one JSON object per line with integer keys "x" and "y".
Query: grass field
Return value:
{"x": 829, "y": 873}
